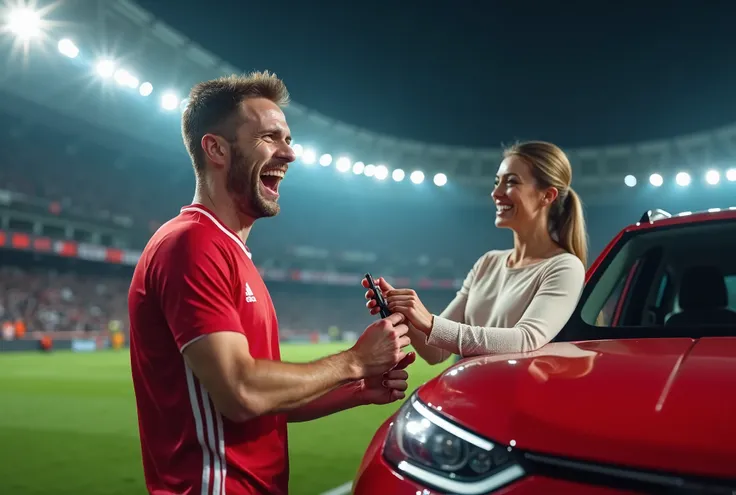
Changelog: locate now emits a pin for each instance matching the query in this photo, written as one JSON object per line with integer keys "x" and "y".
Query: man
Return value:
{"x": 213, "y": 396}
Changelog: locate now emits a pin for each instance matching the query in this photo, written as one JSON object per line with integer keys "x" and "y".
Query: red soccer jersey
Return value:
{"x": 196, "y": 277}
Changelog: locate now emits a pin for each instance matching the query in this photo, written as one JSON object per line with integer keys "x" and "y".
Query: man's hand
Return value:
{"x": 389, "y": 387}
{"x": 404, "y": 301}
{"x": 381, "y": 345}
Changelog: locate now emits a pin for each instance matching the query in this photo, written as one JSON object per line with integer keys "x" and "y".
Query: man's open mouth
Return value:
{"x": 270, "y": 179}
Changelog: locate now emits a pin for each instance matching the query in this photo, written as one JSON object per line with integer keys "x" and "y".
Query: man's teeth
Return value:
{"x": 274, "y": 173}
{"x": 503, "y": 207}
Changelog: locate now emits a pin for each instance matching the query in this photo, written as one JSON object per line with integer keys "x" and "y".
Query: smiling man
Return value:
{"x": 212, "y": 393}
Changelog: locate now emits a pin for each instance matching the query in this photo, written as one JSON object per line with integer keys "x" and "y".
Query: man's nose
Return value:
{"x": 286, "y": 153}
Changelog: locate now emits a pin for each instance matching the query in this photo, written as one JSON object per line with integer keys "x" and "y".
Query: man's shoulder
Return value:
{"x": 186, "y": 241}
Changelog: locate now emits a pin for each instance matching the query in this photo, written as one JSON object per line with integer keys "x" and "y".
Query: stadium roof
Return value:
{"x": 150, "y": 48}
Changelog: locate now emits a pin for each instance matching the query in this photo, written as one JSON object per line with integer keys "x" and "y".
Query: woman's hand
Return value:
{"x": 404, "y": 301}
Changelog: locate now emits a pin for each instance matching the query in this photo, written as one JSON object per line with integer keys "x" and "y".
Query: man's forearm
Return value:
{"x": 340, "y": 399}
{"x": 276, "y": 387}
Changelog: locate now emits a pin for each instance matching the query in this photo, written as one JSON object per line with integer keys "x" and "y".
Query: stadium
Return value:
{"x": 93, "y": 163}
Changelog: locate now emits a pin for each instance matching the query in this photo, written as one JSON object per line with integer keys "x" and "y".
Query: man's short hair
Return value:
{"x": 213, "y": 107}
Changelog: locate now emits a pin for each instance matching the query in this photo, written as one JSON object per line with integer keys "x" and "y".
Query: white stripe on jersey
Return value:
{"x": 211, "y": 438}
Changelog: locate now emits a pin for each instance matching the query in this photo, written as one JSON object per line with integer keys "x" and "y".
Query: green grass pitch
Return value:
{"x": 68, "y": 426}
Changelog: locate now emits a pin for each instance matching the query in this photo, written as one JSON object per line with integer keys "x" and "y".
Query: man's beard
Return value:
{"x": 244, "y": 186}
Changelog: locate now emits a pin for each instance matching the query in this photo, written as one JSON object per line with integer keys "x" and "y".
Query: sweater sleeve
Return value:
{"x": 548, "y": 311}
{"x": 455, "y": 311}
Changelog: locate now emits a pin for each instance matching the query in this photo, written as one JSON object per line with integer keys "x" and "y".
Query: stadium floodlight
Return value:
{"x": 417, "y": 176}
{"x": 169, "y": 101}
{"x": 343, "y": 164}
{"x": 712, "y": 177}
{"x": 713, "y": 210}
{"x": 145, "y": 89}
{"x": 358, "y": 168}
{"x": 630, "y": 180}
{"x": 398, "y": 175}
{"x": 440, "y": 179}
{"x": 105, "y": 68}
{"x": 731, "y": 174}
{"x": 381, "y": 172}
{"x": 682, "y": 179}
{"x": 325, "y": 160}
{"x": 125, "y": 78}
{"x": 309, "y": 157}
{"x": 298, "y": 149}
{"x": 369, "y": 170}
{"x": 24, "y": 23}
{"x": 656, "y": 180}
{"x": 68, "y": 48}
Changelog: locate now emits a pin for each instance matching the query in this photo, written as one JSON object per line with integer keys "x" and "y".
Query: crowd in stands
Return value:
{"x": 47, "y": 300}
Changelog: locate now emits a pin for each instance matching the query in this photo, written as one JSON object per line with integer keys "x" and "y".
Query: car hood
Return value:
{"x": 664, "y": 404}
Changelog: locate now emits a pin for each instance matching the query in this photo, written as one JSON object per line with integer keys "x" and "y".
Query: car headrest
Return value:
{"x": 703, "y": 287}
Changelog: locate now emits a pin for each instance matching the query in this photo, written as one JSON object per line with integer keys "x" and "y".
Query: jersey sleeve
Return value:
{"x": 194, "y": 279}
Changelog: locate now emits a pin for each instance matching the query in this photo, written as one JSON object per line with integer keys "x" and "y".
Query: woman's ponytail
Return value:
{"x": 551, "y": 168}
{"x": 571, "y": 227}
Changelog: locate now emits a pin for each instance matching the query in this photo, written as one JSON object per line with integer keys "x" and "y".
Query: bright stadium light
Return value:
{"x": 343, "y": 164}
{"x": 169, "y": 101}
{"x": 145, "y": 89}
{"x": 712, "y": 177}
{"x": 731, "y": 174}
{"x": 24, "y": 23}
{"x": 369, "y": 170}
{"x": 298, "y": 149}
{"x": 125, "y": 78}
{"x": 713, "y": 210}
{"x": 682, "y": 179}
{"x": 381, "y": 172}
{"x": 398, "y": 175}
{"x": 309, "y": 157}
{"x": 630, "y": 180}
{"x": 358, "y": 168}
{"x": 656, "y": 180}
{"x": 68, "y": 48}
{"x": 417, "y": 176}
{"x": 105, "y": 68}
{"x": 325, "y": 160}
{"x": 440, "y": 179}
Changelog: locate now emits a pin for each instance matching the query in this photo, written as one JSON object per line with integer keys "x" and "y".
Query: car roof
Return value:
{"x": 654, "y": 219}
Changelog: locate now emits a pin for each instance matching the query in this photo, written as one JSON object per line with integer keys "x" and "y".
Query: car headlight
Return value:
{"x": 427, "y": 447}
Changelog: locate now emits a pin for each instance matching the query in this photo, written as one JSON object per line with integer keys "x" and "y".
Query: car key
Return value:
{"x": 378, "y": 296}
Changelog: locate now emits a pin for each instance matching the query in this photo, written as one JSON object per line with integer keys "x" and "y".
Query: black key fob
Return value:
{"x": 378, "y": 296}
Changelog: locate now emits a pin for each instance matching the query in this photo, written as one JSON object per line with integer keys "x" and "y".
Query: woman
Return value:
{"x": 513, "y": 300}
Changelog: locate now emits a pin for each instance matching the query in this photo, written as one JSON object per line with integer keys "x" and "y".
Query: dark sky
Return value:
{"x": 482, "y": 73}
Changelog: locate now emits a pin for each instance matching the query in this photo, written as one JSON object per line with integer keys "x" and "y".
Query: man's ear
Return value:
{"x": 216, "y": 149}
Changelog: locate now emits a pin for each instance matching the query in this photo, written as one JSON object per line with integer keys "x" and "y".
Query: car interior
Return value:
{"x": 677, "y": 280}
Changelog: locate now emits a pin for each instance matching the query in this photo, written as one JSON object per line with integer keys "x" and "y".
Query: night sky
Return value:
{"x": 484, "y": 73}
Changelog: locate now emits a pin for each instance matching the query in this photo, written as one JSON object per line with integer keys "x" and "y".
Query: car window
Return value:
{"x": 731, "y": 287}
{"x": 660, "y": 282}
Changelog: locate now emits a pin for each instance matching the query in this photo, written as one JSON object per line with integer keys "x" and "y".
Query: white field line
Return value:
{"x": 343, "y": 489}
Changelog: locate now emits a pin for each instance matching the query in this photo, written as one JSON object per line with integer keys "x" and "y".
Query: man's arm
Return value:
{"x": 384, "y": 389}
{"x": 194, "y": 281}
{"x": 345, "y": 397}
{"x": 242, "y": 387}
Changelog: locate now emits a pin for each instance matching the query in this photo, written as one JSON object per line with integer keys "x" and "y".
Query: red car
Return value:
{"x": 636, "y": 394}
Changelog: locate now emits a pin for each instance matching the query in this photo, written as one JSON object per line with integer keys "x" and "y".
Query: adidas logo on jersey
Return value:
{"x": 249, "y": 297}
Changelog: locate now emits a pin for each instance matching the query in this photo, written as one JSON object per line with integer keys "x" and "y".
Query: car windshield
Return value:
{"x": 669, "y": 281}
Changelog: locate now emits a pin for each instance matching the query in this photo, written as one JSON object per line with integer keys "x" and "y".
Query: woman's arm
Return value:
{"x": 543, "y": 319}
{"x": 454, "y": 311}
